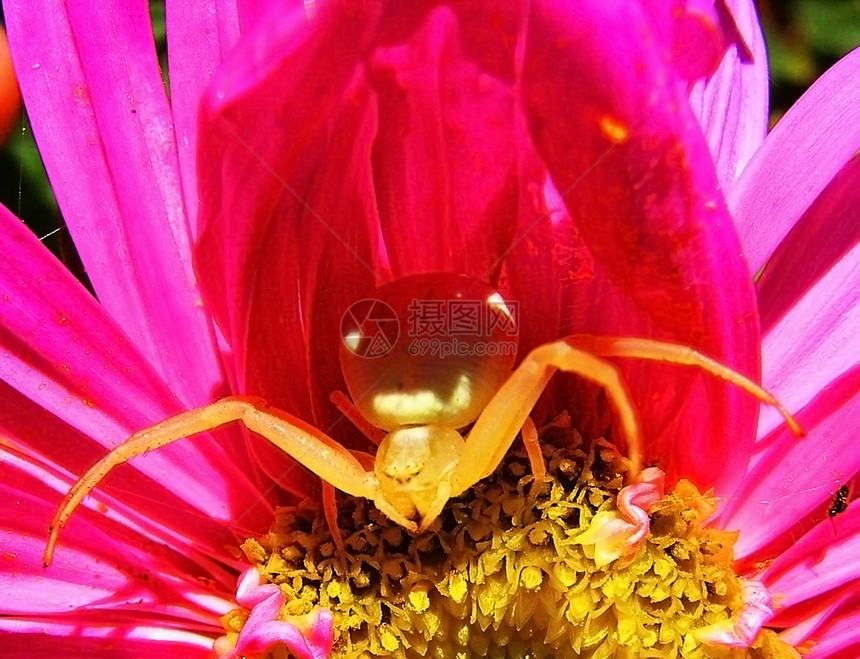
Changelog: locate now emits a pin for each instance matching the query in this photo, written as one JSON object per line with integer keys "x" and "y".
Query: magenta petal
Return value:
{"x": 142, "y": 535}
{"x": 150, "y": 492}
{"x": 832, "y": 631}
{"x": 100, "y": 565}
{"x": 732, "y": 104}
{"x": 806, "y": 149}
{"x": 288, "y": 243}
{"x": 840, "y": 639}
{"x": 689, "y": 31}
{"x": 77, "y": 580}
{"x": 823, "y": 237}
{"x": 786, "y": 484}
{"x": 136, "y": 639}
{"x": 816, "y": 341}
{"x": 824, "y": 559}
{"x": 613, "y": 125}
{"x": 61, "y": 355}
{"x": 199, "y": 32}
{"x": 94, "y": 93}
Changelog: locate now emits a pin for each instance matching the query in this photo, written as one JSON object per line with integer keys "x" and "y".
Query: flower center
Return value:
{"x": 514, "y": 570}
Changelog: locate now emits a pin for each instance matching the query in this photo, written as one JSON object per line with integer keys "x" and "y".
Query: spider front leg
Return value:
{"x": 673, "y": 353}
{"x": 329, "y": 499}
{"x": 498, "y": 425}
{"x": 301, "y": 441}
{"x": 504, "y": 416}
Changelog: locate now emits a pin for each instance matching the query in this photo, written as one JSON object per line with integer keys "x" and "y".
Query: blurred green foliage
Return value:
{"x": 805, "y": 37}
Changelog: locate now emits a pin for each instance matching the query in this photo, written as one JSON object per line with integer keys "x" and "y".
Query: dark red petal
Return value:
{"x": 612, "y": 123}
{"x": 445, "y": 162}
{"x": 288, "y": 228}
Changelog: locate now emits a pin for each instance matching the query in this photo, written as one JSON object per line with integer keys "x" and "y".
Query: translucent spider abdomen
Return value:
{"x": 427, "y": 349}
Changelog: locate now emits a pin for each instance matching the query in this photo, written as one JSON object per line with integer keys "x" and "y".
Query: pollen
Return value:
{"x": 508, "y": 570}
{"x": 613, "y": 129}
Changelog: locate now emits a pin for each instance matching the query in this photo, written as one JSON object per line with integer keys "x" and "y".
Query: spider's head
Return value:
{"x": 413, "y": 468}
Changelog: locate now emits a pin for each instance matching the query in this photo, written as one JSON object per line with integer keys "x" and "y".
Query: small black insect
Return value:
{"x": 840, "y": 501}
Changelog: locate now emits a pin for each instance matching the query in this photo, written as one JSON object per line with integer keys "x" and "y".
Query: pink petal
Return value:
{"x": 732, "y": 104}
{"x": 816, "y": 340}
{"x": 199, "y": 33}
{"x": 823, "y": 237}
{"x": 635, "y": 500}
{"x": 613, "y": 126}
{"x": 307, "y": 636}
{"x": 106, "y": 557}
{"x": 618, "y": 534}
{"x": 60, "y": 355}
{"x": 103, "y": 527}
{"x": 93, "y": 91}
{"x": 833, "y": 632}
{"x": 289, "y": 243}
{"x": 741, "y": 631}
{"x": 823, "y": 560}
{"x": 806, "y": 149}
{"x": 136, "y": 639}
{"x": 786, "y": 484}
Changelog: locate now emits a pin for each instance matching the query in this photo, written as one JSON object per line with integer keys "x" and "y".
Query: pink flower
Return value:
{"x": 794, "y": 195}
{"x": 555, "y": 155}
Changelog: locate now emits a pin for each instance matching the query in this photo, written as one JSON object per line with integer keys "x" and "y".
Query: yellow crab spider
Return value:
{"x": 450, "y": 368}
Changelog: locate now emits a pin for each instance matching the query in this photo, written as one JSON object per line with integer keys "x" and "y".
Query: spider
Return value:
{"x": 414, "y": 402}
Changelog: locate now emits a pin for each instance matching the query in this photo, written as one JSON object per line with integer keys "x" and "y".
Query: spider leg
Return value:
{"x": 329, "y": 503}
{"x": 504, "y": 416}
{"x": 346, "y": 407}
{"x": 329, "y": 500}
{"x": 396, "y": 516}
{"x": 301, "y": 441}
{"x": 610, "y": 346}
{"x": 532, "y": 444}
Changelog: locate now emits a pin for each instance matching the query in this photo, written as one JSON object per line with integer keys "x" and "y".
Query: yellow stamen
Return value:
{"x": 505, "y": 574}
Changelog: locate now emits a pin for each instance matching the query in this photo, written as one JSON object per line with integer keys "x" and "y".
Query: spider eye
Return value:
{"x": 427, "y": 349}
